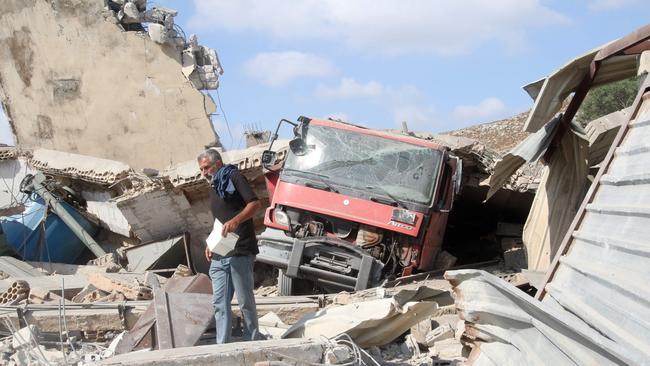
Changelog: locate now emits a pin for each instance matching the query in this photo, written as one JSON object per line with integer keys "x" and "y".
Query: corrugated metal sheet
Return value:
{"x": 529, "y": 150}
{"x": 595, "y": 307}
{"x": 555, "y": 88}
{"x": 508, "y": 327}
{"x": 614, "y": 61}
{"x": 603, "y": 276}
{"x": 556, "y": 202}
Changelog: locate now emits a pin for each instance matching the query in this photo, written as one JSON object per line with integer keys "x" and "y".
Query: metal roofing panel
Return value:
{"x": 595, "y": 306}
{"x": 564, "y": 81}
{"x": 529, "y": 150}
{"x": 511, "y": 328}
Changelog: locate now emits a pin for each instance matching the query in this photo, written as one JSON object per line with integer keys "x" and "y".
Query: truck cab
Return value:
{"x": 352, "y": 206}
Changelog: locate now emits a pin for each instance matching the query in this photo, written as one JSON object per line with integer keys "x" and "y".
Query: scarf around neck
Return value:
{"x": 221, "y": 181}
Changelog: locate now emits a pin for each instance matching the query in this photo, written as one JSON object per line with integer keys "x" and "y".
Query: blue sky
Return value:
{"x": 436, "y": 65}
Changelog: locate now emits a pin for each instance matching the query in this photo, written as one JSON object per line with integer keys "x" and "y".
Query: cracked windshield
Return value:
{"x": 394, "y": 169}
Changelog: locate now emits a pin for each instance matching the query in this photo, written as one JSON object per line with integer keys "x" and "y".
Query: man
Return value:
{"x": 233, "y": 203}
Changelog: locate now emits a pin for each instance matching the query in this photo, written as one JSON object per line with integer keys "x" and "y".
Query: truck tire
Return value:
{"x": 285, "y": 284}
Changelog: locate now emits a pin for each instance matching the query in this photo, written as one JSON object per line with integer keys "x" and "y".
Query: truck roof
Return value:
{"x": 385, "y": 134}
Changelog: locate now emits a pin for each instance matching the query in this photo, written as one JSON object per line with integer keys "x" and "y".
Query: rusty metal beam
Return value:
{"x": 625, "y": 43}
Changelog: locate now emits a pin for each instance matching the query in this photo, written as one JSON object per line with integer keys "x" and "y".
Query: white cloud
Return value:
{"x": 602, "y": 5}
{"x": 279, "y": 68}
{"x": 383, "y": 26}
{"x": 350, "y": 88}
{"x": 404, "y": 102}
{"x": 488, "y": 107}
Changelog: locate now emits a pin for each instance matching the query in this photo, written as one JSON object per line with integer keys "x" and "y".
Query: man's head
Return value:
{"x": 209, "y": 162}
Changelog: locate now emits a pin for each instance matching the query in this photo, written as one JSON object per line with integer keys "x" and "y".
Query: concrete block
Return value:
{"x": 515, "y": 258}
{"x": 73, "y": 283}
{"x": 130, "y": 284}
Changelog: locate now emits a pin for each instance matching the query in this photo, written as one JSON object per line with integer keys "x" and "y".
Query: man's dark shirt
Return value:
{"x": 224, "y": 209}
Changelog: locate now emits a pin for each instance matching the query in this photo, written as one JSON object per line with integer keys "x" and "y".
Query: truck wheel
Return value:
{"x": 285, "y": 284}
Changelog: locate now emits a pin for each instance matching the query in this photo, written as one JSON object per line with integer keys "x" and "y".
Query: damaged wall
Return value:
{"x": 73, "y": 81}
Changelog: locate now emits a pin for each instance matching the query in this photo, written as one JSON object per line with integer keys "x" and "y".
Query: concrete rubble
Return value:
{"x": 147, "y": 301}
{"x": 417, "y": 327}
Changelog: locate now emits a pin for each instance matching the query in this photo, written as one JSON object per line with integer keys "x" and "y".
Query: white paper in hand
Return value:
{"x": 218, "y": 244}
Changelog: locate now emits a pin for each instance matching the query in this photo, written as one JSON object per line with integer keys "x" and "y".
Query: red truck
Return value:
{"x": 352, "y": 206}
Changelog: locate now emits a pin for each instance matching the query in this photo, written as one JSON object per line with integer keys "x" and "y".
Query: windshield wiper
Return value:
{"x": 319, "y": 177}
{"x": 392, "y": 200}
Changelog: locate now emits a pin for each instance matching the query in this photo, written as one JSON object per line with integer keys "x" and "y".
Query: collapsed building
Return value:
{"x": 85, "y": 75}
{"x": 143, "y": 210}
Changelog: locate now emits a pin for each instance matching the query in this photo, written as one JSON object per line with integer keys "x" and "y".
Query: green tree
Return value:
{"x": 608, "y": 98}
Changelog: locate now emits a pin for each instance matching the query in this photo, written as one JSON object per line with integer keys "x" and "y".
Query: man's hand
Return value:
{"x": 208, "y": 253}
{"x": 229, "y": 226}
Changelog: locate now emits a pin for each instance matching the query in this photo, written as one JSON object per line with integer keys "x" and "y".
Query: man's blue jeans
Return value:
{"x": 230, "y": 275}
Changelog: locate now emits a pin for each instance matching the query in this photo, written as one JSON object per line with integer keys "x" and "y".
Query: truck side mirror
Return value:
{"x": 269, "y": 158}
{"x": 298, "y": 146}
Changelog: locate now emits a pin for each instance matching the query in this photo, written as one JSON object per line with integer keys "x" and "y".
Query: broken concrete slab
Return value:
{"x": 187, "y": 173}
{"x": 307, "y": 351}
{"x": 91, "y": 320}
{"x": 369, "y": 323}
{"x": 73, "y": 283}
{"x": 130, "y": 284}
{"x": 12, "y": 267}
{"x": 271, "y": 326}
{"x": 289, "y": 309}
{"x": 87, "y": 168}
{"x": 164, "y": 254}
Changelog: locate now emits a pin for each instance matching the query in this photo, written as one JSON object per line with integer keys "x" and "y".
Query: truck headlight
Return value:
{"x": 281, "y": 218}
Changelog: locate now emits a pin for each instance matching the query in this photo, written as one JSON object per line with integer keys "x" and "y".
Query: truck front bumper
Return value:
{"x": 324, "y": 260}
